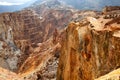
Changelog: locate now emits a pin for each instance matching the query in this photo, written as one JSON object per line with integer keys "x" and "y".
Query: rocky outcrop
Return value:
{"x": 89, "y": 52}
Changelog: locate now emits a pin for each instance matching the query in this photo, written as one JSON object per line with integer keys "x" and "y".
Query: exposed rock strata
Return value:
{"x": 31, "y": 39}
{"x": 21, "y": 31}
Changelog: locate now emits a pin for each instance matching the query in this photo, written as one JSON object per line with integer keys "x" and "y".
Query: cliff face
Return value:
{"x": 21, "y": 31}
{"x": 43, "y": 62}
{"x": 9, "y": 52}
{"x": 90, "y": 49}
{"x": 31, "y": 40}
{"x": 28, "y": 25}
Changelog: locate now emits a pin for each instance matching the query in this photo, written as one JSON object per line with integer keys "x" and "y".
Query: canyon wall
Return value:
{"x": 31, "y": 40}
{"x": 30, "y": 26}
{"x": 21, "y": 31}
{"x": 90, "y": 49}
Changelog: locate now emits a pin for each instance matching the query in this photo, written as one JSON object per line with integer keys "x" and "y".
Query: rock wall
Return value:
{"x": 22, "y": 30}
{"x": 28, "y": 25}
{"x": 88, "y": 51}
{"x": 9, "y": 52}
{"x": 25, "y": 25}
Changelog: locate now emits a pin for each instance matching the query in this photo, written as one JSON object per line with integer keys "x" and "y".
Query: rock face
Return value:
{"x": 21, "y": 31}
{"x": 9, "y": 53}
{"x": 43, "y": 62}
{"x": 89, "y": 52}
{"x": 32, "y": 25}
{"x": 31, "y": 39}
{"x": 24, "y": 23}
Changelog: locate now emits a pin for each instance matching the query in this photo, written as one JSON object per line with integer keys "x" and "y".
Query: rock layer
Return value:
{"x": 21, "y": 31}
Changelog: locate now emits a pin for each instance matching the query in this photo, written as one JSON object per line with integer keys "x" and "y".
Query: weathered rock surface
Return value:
{"x": 31, "y": 39}
{"x": 40, "y": 64}
{"x": 21, "y": 31}
{"x": 89, "y": 52}
{"x": 9, "y": 53}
